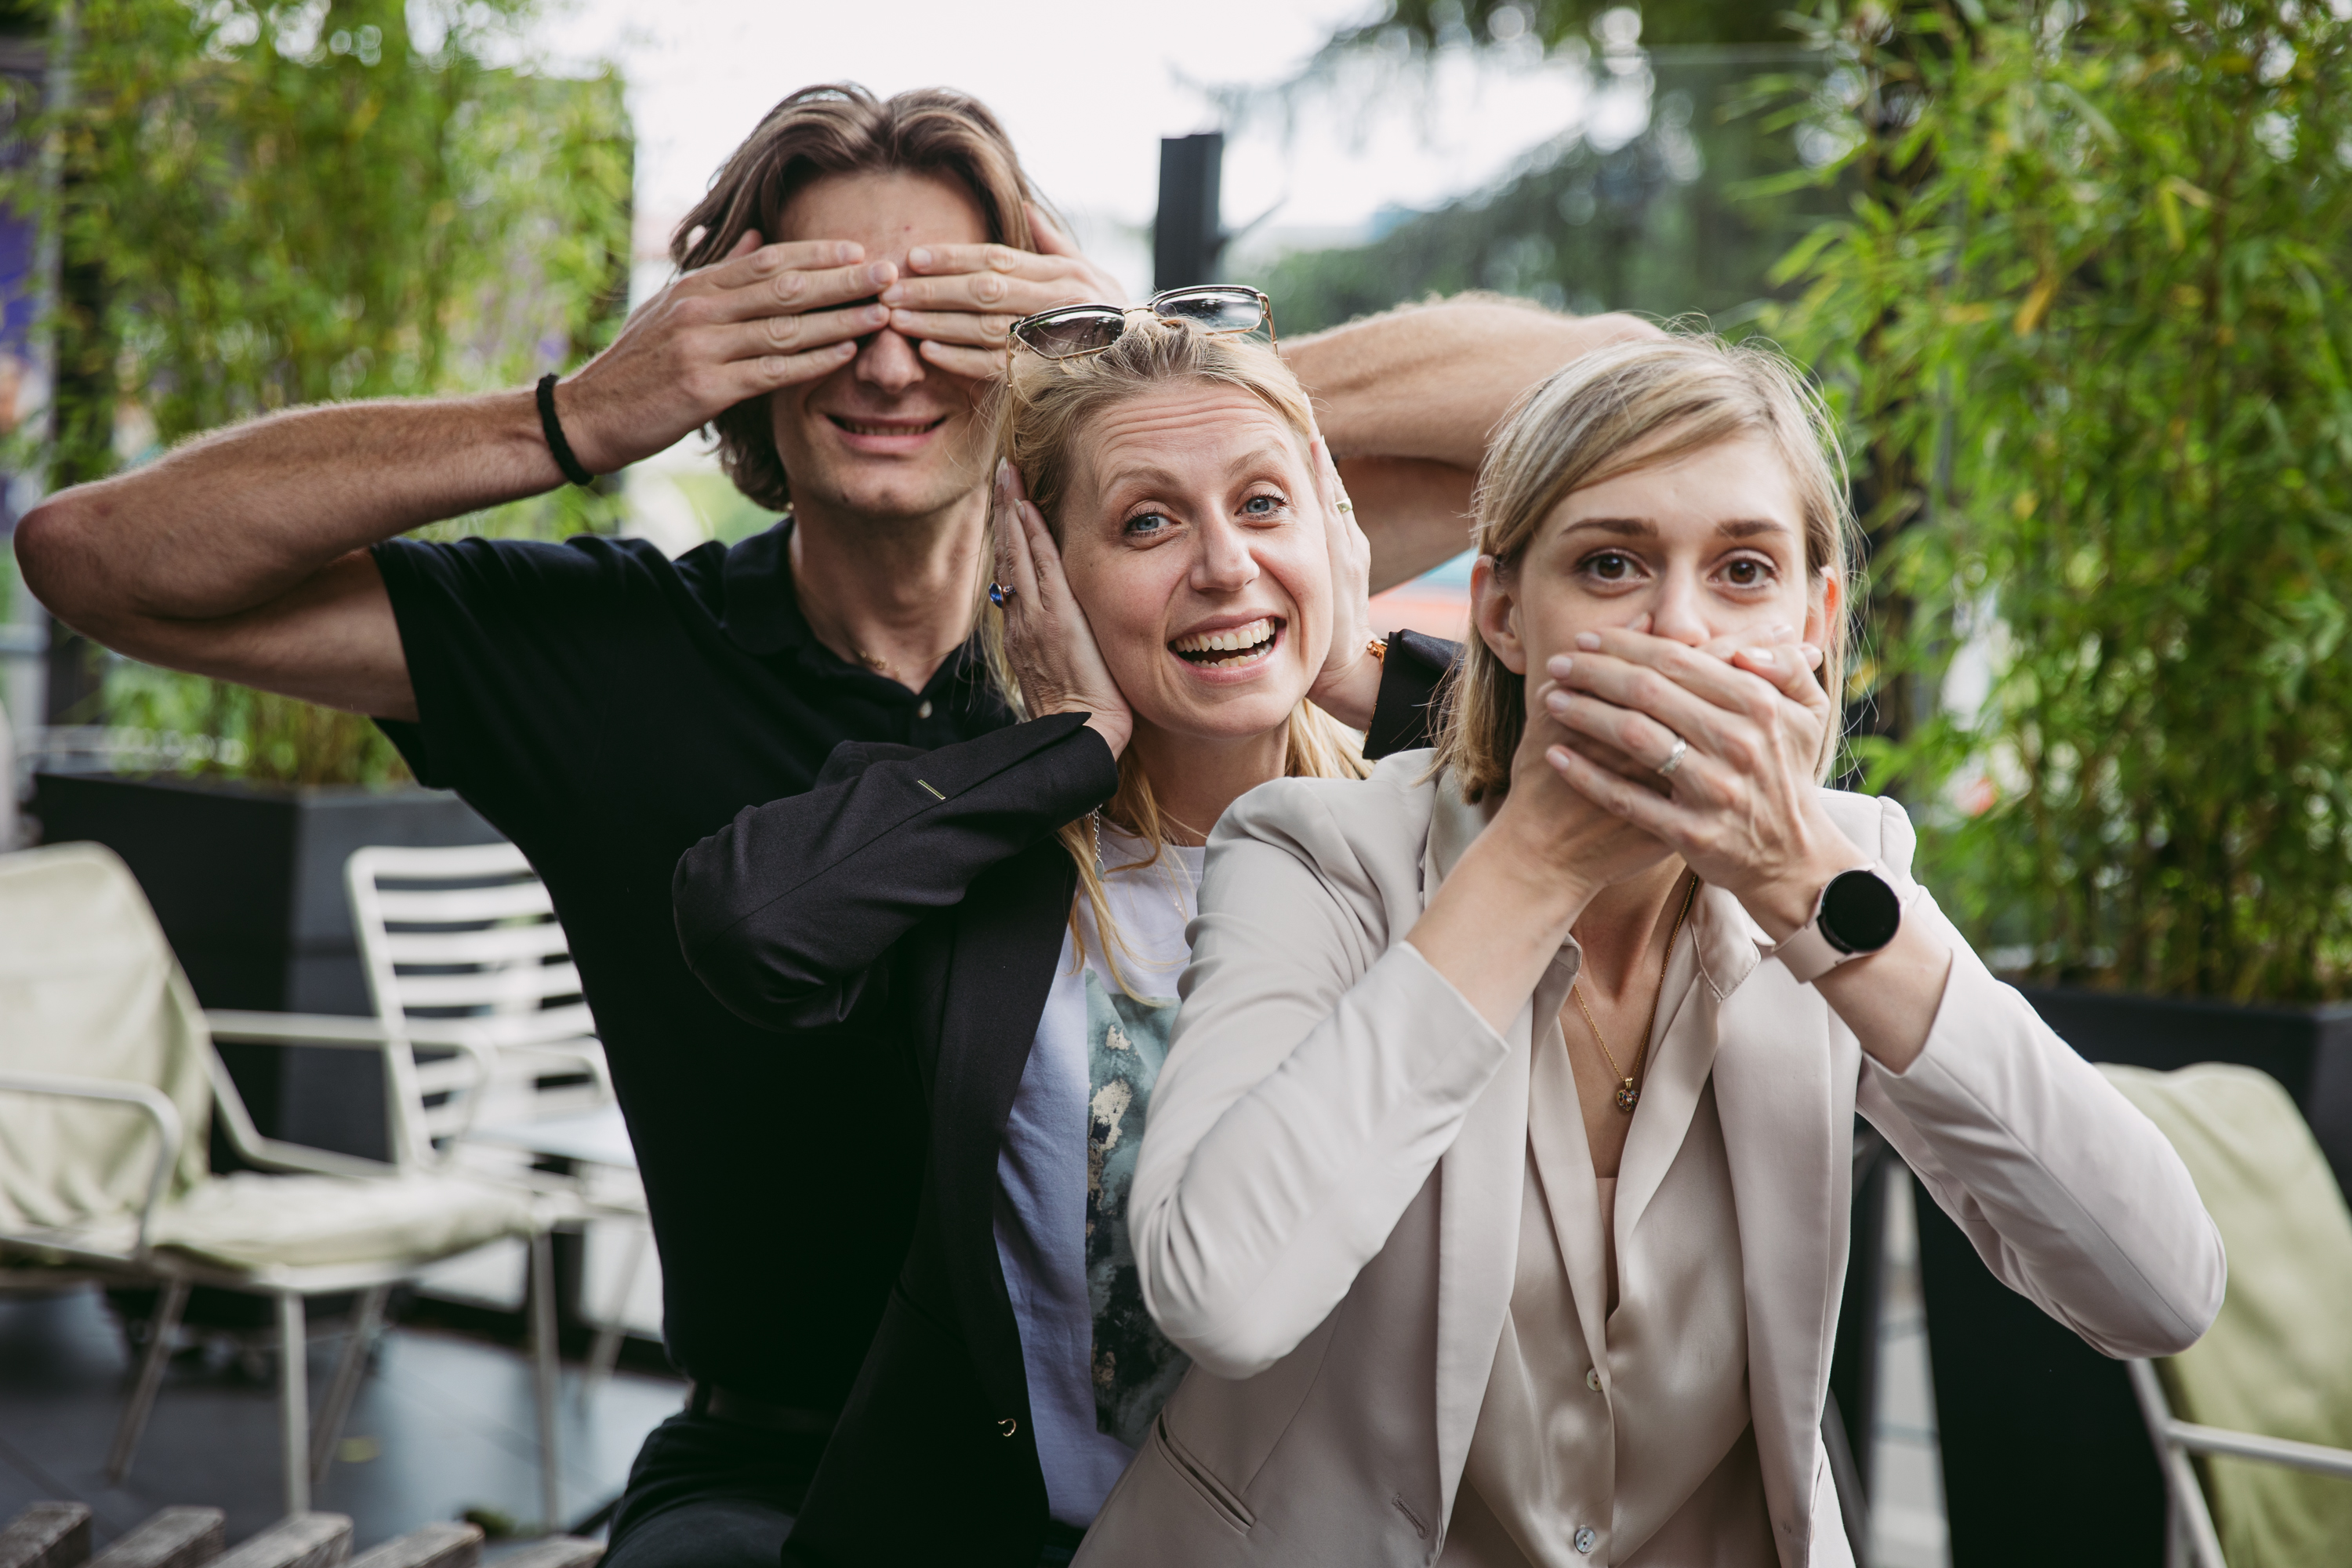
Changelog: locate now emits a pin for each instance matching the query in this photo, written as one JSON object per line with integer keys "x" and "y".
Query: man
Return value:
{"x": 849, "y": 283}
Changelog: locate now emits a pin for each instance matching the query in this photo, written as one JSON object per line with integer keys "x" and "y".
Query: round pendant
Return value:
{"x": 1628, "y": 1097}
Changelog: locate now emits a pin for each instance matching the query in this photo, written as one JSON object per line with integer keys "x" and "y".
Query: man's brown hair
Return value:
{"x": 840, "y": 127}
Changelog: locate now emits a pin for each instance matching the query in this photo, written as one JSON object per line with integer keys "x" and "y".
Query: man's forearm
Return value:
{"x": 1432, "y": 382}
{"x": 236, "y": 518}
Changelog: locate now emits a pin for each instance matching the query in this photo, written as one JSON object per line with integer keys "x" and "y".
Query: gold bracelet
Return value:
{"x": 1379, "y": 648}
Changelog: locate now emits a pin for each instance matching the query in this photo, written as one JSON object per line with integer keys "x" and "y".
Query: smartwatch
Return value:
{"x": 1858, "y": 913}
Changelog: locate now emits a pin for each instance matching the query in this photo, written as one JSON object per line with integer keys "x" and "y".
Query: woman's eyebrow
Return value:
{"x": 1751, "y": 527}
{"x": 1260, "y": 457}
{"x": 1622, "y": 527}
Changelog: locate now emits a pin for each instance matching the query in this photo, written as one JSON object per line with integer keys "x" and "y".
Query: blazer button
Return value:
{"x": 1587, "y": 1539}
{"x": 1006, "y": 1428}
{"x": 1592, "y": 1378}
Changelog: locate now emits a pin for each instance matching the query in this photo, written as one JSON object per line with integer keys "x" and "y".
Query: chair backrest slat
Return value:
{"x": 457, "y": 906}
{"x": 469, "y": 935}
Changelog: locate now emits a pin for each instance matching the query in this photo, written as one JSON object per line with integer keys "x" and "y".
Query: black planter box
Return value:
{"x": 247, "y": 883}
{"x": 2046, "y": 1459}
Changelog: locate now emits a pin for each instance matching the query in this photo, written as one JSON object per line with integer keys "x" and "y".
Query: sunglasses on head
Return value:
{"x": 1072, "y": 332}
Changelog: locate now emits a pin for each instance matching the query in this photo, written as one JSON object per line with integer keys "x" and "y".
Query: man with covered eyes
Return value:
{"x": 843, "y": 296}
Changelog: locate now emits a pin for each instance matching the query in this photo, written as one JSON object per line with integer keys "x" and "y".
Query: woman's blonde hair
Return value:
{"x": 1629, "y": 406}
{"x": 1044, "y": 408}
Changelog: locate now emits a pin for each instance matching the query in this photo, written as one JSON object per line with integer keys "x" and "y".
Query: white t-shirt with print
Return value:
{"x": 1097, "y": 1368}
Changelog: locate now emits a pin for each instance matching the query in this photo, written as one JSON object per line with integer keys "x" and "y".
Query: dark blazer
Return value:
{"x": 934, "y": 880}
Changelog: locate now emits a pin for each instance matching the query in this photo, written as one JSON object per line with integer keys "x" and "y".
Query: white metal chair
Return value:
{"x": 469, "y": 934}
{"x": 111, "y": 1079}
{"x": 2272, "y": 1380}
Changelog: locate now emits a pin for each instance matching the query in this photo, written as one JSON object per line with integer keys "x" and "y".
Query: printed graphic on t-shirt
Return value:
{"x": 1135, "y": 1367}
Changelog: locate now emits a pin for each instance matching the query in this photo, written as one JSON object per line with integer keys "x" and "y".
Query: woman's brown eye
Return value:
{"x": 1608, "y": 567}
{"x": 1744, "y": 574}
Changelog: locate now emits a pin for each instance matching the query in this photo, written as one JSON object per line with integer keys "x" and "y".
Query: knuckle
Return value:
{"x": 988, "y": 290}
{"x": 786, "y": 287}
{"x": 1002, "y": 259}
{"x": 783, "y": 331}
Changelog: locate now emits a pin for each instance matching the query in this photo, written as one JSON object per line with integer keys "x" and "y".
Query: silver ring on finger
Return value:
{"x": 1674, "y": 758}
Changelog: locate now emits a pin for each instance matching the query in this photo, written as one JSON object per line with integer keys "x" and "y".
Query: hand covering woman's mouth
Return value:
{"x": 1233, "y": 646}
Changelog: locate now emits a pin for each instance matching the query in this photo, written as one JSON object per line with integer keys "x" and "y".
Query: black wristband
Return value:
{"x": 553, "y": 427}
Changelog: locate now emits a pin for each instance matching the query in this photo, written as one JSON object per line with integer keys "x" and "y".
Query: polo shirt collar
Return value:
{"x": 762, "y": 616}
{"x": 762, "y": 613}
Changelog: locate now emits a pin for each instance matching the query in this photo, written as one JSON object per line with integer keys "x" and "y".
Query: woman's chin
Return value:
{"x": 1231, "y": 714}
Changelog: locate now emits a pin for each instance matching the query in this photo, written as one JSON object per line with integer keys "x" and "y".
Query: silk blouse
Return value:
{"x": 1615, "y": 1426}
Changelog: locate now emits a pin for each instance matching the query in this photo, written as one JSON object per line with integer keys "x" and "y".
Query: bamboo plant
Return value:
{"x": 2099, "y": 334}
{"x": 270, "y": 206}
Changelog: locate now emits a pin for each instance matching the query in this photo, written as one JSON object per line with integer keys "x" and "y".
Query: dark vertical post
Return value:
{"x": 1189, "y": 231}
{"x": 81, "y": 396}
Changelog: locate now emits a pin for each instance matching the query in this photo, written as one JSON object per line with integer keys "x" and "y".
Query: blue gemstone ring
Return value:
{"x": 1000, "y": 594}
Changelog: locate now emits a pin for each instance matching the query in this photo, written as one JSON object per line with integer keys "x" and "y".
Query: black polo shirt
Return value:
{"x": 606, "y": 708}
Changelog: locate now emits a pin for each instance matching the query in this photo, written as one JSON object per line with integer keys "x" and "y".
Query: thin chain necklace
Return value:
{"x": 1177, "y": 873}
{"x": 1628, "y": 1096}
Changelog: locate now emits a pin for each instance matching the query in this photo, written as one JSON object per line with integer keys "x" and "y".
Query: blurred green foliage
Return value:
{"x": 1432, "y": 24}
{"x": 2089, "y": 325}
{"x": 267, "y": 206}
{"x": 1668, "y": 222}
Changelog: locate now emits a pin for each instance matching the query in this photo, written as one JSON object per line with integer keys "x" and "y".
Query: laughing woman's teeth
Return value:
{"x": 1239, "y": 644}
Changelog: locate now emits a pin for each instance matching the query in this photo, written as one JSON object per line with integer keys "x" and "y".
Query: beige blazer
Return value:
{"x": 1326, "y": 1210}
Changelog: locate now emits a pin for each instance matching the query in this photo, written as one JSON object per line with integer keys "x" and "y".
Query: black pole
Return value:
{"x": 1189, "y": 233}
{"x": 81, "y": 405}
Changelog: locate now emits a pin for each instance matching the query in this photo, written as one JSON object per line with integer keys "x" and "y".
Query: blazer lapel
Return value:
{"x": 1007, "y": 937}
{"x": 1787, "y": 1107}
{"x": 1721, "y": 953}
{"x": 1481, "y": 1180}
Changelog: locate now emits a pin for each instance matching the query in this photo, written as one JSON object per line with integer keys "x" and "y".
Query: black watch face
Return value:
{"x": 1860, "y": 912}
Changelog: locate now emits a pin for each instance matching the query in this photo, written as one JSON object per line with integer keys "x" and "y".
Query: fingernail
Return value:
{"x": 892, "y": 295}
{"x": 1587, "y": 641}
{"x": 1561, "y": 665}
{"x": 881, "y": 272}
{"x": 920, "y": 256}
{"x": 1760, "y": 655}
{"x": 1813, "y": 657}
{"x": 1782, "y": 633}
{"x": 1003, "y": 468}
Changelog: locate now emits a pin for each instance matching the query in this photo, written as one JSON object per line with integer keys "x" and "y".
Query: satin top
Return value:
{"x": 1658, "y": 1461}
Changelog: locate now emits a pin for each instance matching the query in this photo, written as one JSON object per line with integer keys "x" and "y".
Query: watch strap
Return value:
{"x": 1809, "y": 953}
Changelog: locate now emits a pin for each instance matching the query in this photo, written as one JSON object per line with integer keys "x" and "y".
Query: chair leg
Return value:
{"x": 161, "y": 1328}
{"x": 545, "y": 1375}
{"x": 606, "y": 1351}
{"x": 350, "y": 1367}
{"x": 294, "y": 1401}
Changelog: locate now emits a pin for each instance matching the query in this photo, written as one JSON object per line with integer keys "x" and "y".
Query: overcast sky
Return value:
{"x": 1086, "y": 88}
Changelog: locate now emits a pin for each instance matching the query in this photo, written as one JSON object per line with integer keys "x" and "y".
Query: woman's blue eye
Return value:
{"x": 1148, "y": 522}
{"x": 1261, "y": 506}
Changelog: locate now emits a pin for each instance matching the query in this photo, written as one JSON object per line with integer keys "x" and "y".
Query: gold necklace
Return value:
{"x": 1628, "y": 1096}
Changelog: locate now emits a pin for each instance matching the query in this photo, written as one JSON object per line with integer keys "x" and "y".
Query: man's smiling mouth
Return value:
{"x": 1233, "y": 646}
{"x": 901, "y": 427}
